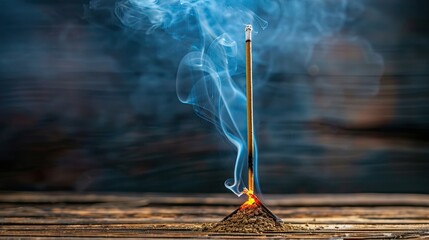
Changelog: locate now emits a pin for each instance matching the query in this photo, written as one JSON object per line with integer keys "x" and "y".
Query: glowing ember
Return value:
{"x": 251, "y": 198}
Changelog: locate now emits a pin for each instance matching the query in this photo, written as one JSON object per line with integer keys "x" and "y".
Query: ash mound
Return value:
{"x": 249, "y": 218}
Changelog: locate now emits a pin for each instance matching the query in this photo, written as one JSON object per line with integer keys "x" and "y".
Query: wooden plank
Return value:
{"x": 181, "y": 216}
{"x": 219, "y": 199}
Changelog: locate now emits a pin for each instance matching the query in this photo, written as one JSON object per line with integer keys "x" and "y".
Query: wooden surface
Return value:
{"x": 357, "y": 216}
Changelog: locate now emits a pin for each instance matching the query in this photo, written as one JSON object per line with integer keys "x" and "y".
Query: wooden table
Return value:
{"x": 350, "y": 216}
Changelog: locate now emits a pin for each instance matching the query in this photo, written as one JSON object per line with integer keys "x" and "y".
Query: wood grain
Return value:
{"x": 350, "y": 216}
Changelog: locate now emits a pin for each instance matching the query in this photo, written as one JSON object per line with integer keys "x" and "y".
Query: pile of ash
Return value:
{"x": 249, "y": 218}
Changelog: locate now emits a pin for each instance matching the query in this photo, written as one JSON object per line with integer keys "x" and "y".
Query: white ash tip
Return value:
{"x": 248, "y": 30}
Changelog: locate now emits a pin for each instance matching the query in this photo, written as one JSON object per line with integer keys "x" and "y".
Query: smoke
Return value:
{"x": 210, "y": 76}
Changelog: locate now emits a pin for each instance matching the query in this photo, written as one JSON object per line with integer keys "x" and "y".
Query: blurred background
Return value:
{"x": 87, "y": 105}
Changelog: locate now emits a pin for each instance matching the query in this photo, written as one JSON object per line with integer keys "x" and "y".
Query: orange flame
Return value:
{"x": 251, "y": 199}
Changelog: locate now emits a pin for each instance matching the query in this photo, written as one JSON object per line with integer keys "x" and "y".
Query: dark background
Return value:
{"x": 85, "y": 106}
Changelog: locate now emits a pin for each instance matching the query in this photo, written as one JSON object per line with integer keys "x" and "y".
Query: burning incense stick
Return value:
{"x": 253, "y": 210}
{"x": 249, "y": 95}
{"x": 252, "y": 199}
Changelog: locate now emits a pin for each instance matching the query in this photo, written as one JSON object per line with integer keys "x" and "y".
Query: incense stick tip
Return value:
{"x": 248, "y": 31}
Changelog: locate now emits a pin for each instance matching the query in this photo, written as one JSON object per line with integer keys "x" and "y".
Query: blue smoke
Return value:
{"x": 210, "y": 76}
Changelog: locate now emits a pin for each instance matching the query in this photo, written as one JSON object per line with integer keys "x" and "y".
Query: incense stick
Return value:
{"x": 249, "y": 96}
